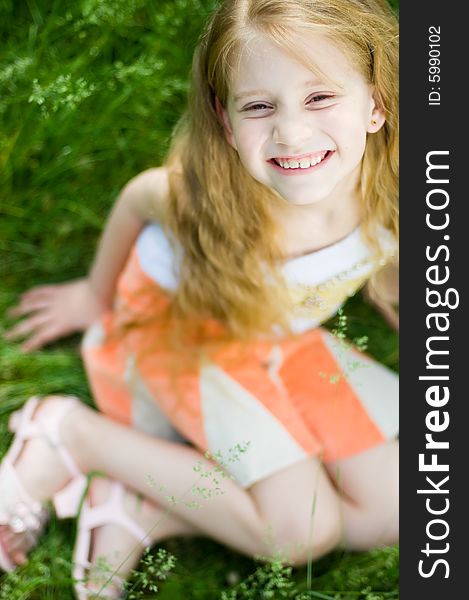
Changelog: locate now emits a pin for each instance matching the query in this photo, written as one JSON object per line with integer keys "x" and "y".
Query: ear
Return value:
{"x": 224, "y": 119}
{"x": 377, "y": 118}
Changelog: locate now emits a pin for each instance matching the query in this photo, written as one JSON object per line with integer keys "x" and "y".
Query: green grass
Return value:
{"x": 89, "y": 92}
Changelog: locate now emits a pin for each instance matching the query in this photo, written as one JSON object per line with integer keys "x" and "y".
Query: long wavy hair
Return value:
{"x": 218, "y": 213}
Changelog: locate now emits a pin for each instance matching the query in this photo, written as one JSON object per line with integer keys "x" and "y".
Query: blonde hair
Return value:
{"x": 218, "y": 213}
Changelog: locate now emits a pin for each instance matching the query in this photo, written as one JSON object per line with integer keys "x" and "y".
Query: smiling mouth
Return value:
{"x": 305, "y": 161}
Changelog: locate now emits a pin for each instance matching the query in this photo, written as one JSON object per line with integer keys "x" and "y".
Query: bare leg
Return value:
{"x": 370, "y": 483}
{"x": 246, "y": 520}
{"x": 238, "y": 518}
{"x": 42, "y": 483}
{"x": 113, "y": 549}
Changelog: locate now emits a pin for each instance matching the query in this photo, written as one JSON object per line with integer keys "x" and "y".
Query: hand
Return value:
{"x": 54, "y": 311}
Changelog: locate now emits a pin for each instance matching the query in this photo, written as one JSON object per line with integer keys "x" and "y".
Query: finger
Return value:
{"x": 28, "y": 306}
{"x": 26, "y": 327}
{"x": 42, "y": 338}
{"x": 16, "y": 311}
{"x": 30, "y": 298}
{"x": 40, "y": 290}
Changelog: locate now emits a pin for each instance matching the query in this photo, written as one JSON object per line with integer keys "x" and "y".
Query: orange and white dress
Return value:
{"x": 308, "y": 394}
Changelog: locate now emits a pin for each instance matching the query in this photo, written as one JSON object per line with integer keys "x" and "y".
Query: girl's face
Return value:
{"x": 294, "y": 131}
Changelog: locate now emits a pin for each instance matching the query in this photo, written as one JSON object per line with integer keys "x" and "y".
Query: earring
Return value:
{"x": 374, "y": 122}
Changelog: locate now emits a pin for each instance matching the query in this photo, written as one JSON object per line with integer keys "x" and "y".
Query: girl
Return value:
{"x": 277, "y": 201}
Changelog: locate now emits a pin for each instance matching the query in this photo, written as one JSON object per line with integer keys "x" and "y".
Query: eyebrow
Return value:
{"x": 249, "y": 93}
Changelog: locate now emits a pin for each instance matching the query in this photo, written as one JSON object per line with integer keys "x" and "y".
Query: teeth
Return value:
{"x": 304, "y": 163}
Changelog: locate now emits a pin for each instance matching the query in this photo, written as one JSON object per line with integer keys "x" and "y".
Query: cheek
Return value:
{"x": 248, "y": 140}
{"x": 348, "y": 130}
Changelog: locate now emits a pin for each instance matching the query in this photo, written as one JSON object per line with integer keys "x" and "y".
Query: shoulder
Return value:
{"x": 149, "y": 192}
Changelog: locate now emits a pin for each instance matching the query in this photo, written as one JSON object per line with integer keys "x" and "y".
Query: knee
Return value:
{"x": 387, "y": 515}
{"x": 379, "y": 527}
{"x": 298, "y": 541}
{"x": 389, "y": 532}
{"x": 74, "y": 426}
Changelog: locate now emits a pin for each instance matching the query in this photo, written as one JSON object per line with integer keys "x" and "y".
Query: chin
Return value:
{"x": 303, "y": 199}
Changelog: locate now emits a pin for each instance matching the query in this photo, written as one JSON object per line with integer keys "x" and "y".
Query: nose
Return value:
{"x": 292, "y": 129}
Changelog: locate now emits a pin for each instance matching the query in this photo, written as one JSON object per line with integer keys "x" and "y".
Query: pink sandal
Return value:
{"x": 91, "y": 517}
{"x": 28, "y": 515}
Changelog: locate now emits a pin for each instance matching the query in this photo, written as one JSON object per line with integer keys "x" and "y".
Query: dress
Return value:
{"x": 275, "y": 403}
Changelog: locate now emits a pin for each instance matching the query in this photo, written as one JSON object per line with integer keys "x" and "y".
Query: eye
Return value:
{"x": 320, "y": 99}
{"x": 258, "y": 106}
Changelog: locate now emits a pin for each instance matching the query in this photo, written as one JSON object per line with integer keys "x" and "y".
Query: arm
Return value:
{"x": 383, "y": 293}
{"x": 53, "y": 311}
{"x": 140, "y": 201}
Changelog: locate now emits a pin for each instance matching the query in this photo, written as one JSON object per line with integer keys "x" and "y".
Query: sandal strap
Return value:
{"x": 91, "y": 517}
{"x": 20, "y": 512}
{"x": 112, "y": 511}
{"x": 67, "y": 500}
{"x": 24, "y": 515}
{"x": 28, "y": 425}
{"x": 14, "y": 487}
{"x": 19, "y": 423}
{"x": 27, "y": 514}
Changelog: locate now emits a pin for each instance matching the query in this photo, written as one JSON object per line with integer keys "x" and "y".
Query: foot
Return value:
{"x": 111, "y": 551}
{"x": 38, "y": 473}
